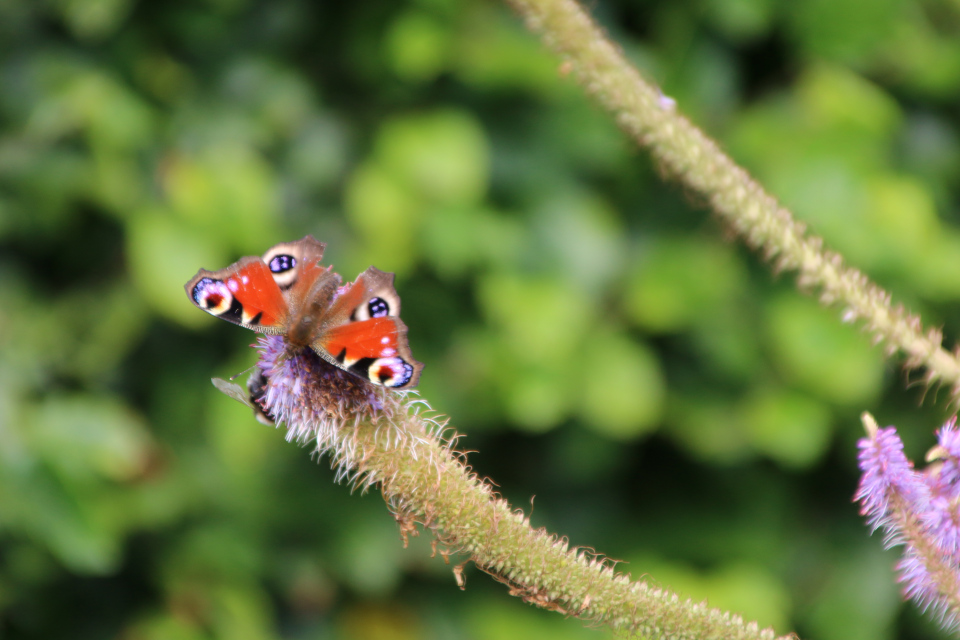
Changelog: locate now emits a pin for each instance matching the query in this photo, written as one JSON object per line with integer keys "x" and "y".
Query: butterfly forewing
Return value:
{"x": 307, "y": 287}
{"x": 370, "y": 296}
{"x": 244, "y": 293}
{"x": 295, "y": 265}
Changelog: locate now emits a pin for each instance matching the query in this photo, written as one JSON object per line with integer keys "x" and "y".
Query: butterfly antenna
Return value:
{"x": 245, "y": 371}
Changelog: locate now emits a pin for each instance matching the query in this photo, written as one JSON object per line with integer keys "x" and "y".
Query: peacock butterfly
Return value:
{"x": 355, "y": 326}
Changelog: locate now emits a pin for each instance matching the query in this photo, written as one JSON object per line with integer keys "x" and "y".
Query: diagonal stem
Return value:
{"x": 687, "y": 154}
{"x": 426, "y": 482}
{"x": 378, "y": 438}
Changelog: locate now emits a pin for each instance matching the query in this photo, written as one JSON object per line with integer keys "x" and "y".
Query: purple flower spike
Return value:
{"x": 886, "y": 473}
{"x": 918, "y": 584}
{"x": 948, "y": 453}
{"x": 918, "y": 510}
{"x": 942, "y": 518}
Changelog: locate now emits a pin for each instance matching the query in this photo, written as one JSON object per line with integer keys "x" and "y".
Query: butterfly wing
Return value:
{"x": 295, "y": 265}
{"x": 244, "y": 293}
{"x": 364, "y": 334}
{"x": 374, "y": 349}
{"x": 288, "y": 292}
{"x": 257, "y": 292}
{"x": 308, "y": 288}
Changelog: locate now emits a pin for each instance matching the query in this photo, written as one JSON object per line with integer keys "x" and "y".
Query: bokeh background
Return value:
{"x": 592, "y": 331}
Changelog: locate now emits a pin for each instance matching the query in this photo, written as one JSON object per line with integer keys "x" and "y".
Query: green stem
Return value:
{"x": 376, "y": 437}
{"x": 696, "y": 161}
{"x": 425, "y": 481}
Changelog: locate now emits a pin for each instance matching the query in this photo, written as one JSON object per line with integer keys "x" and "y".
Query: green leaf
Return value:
{"x": 859, "y": 599}
{"x": 580, "y": 236}
{"x": 494, "y": 53}
{"x": 94, "y": 19}
{"x": 679, "y": 282}
{"x": 387, "y": 214}
{"x": 741, "y": 19}
{"x": 623, "y": 388}
{"x": 441, "y": 156}
{"x": 499, "y": 619}
{"x": 85, "y": 438}
{"x": 787, "y": 426}
{"x": 543, "y": 319}
{"x": 708, "y": 425}
{"x": 456, "y": 239}
{"x": 164, "y": 255}
{"x": 845, "y": 30}
{"x": 227, "y": 191}
{"x": 903, "y": 222}
{"x": 833, "y": 95}
{"x": 744, "y": 588}
{"x": 937, "y": 275}
{"x": 821, "y": 355}
{"x": 537, "y": 399}
{"x": 417, "y": 46}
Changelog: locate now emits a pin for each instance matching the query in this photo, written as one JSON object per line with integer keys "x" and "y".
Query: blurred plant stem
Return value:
{"x": 696, "y": 161}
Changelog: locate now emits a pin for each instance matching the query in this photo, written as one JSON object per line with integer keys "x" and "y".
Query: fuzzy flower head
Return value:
{"x": 307, "y": 394}
{"x": 318, "y": 402}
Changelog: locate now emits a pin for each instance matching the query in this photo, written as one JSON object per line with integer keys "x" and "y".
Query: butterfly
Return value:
{"x": 356, "y": 327}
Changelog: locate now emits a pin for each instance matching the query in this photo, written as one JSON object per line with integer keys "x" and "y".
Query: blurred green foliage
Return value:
{"x": 584, "y": 323}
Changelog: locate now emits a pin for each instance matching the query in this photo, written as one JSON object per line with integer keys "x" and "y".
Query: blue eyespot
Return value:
{"x": 281, "y": 263}
{"x": 378, "y": 308}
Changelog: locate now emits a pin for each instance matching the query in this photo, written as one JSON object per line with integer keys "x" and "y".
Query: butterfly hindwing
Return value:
{"x": 244, "y": 293}
{"x": 374, "y": 349}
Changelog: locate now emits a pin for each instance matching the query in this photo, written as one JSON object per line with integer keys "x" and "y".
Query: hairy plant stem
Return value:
{"x": 378, "y": 438}
{"x": 425, "y": 481}
{"x": 686, "y": 153}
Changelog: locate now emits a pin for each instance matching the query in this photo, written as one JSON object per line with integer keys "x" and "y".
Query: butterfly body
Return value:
{"x": 355, "y": 327}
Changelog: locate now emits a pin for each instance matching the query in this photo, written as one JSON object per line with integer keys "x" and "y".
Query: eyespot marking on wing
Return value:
{"x": 213, "y": 296}
{"x": 391, "y": 372}
{"x": 283, "y": 266}
{"x": 288, "y": 262}
{"x": 375, "y": 307}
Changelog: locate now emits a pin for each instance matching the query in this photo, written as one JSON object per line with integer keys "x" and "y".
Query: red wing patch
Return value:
{"x": 374, "y": 349}
{"x": 244, "y": 294}
{"x": 374, "y": 338}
